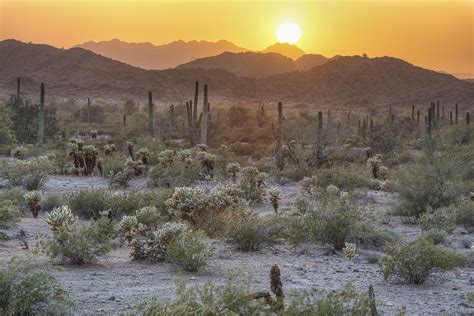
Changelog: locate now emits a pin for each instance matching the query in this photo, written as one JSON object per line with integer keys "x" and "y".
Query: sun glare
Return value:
{"x": 288, "y": 32}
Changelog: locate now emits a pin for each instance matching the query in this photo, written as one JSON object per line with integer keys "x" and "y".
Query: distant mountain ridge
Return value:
{"x": 150, "y": 56}
{"x": 346, "y": 82}
{"x": 255, "y": 65}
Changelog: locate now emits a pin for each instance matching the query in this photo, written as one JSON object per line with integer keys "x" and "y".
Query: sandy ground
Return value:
{"x": 116, "y": 284}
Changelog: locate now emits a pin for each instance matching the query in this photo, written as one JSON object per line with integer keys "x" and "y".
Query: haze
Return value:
{"x": 435, "y": 35}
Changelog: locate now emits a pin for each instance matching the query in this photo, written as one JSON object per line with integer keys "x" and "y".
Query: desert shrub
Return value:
{"x": 128, "y": 202}
{"x": 50, "y": 201}
{"x": 28, "y": 289}
{"x": 248, "y": 232}
{"x": 9, "y": 213}
{"x": 346, "y": 178}
{"x": 436, "y": 236}
{"x": 188, "y": 251}
{"x": 176, "y": 168}
{"x": 120, "y": 179}
{"x": 194, "y": 205}
{"x": 465, "y": 242}
{"x": 88, "y": 202}
{"x": 236, "y": 298}
{"x": 413, "y": 262}
{"x": 15, "y": 195}
{"x": 149, "y": 217}
{"x": 332, "y": 221}
{"x": 465, "y": 215}
{"x": 230, "y": 299}
{"x": 430, "y": 183}
{"x": 30, "y": 174}
{"x": 441, "y": 219}
{"x": 7, "y": 135}
{"x": 79, "y": 244}
{"x": 295, "y": 173}
{"x": 368, "y": 237}
{"x": 252, "y": 184}
{"x": 344, "y": 302}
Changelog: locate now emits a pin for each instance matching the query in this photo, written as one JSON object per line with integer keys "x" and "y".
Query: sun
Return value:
{"x": 288, "y": 32}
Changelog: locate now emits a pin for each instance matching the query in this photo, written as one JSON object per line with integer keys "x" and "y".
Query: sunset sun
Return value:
{"x": 288, "y": 32}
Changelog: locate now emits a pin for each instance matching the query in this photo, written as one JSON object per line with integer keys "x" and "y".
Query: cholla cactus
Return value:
{"x": 332, "y": 190}
{"x": 349, "y": 250}
{"x": 137, "y": 166}
{"x": 201, "y": 147}
{"x": 129, "y": 225}
{"x": 383, "y": 173}
{"x": 33, "y": 199}
{"x": 166, "y": 157}
{"x": 208, "y": 161}
{"x": 148, "y": 217}
{"x": 90, "y": 159}
{"x": 221, "y": 197}
{"x": 233, "y": 168}
{"x": 130, "y": 146}
{"x": 184, "y": 155}
{"x": 109, "y": 149}
{"x": 253, "y": 183}
{"x": 144, "y": 155}
{"x": 375, "y": 163}
{"x": 93, "y": 133}
{"x": 19, "y": 152}
{"x": 309, "y": 185}
{"x": 60, "y": 217}
{"x": 185, "y": 202}
{"x": 274, "y": 196}
{"x": 168, "y": 232}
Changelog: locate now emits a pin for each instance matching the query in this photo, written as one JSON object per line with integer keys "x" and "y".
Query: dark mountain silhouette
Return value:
{"x": 255, "y": 65}
{"x": 343, "y": 82}
{"x": 285, "y": 49}
{"x": 149, "y": 56}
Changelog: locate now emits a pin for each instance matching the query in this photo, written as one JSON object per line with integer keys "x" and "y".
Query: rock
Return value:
{"x": 112, "y": 298}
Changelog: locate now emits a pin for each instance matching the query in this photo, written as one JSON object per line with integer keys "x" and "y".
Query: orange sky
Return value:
{"x": 433, "y": 34}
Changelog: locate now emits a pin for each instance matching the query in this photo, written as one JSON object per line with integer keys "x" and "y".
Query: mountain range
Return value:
{"x": 346, "y": 81}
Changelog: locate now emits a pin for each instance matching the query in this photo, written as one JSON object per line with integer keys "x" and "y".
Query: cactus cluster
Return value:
{"x": 60, "y": 218}
{"x": 274, "y": 196}
{"x": 33, "y": 199}
{"x": 232, "y": 169}
{"x": 84, "y": 157}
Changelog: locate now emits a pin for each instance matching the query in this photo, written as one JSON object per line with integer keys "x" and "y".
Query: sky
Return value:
{"x": 433, "y": 34}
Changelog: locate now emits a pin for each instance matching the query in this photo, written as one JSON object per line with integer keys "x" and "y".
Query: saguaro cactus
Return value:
{"x": 468, "y": 118}
{"x": 18, "y": 88}
{"x": 279, "y": 138}
{"x": 195, "y": 109}
{"x": 418, "y": 118}
{"x": 456, "y": 114}
{"x": 430, "y": 121}
{"x": 205, "y": 117}
{"x": 319, "y": 141}
{"x": 450, "y": 117}
{"x": 125, "y": 120}
{"x": 261, "y": 115}
{"x": 172, "y": 116}
{"x": 88, "y": 110}
{"x": 150, "y": 115}
{"x": 41, "y": 117}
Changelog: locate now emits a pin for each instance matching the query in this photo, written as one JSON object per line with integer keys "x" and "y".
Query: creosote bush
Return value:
{"x": 79, "y": 244}
{"x": 414, "y": 262}
{"x": 28, "y": 289}
{"x": 9, "y": 213}
{"x": 88, "y": 202}
{"x": 188, "y": 250}
{"x": 30, "y": 174}
{"x": 249, "y": 232}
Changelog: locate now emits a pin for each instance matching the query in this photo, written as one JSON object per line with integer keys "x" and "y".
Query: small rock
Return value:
{"x": 112, "y": 298}
{"x": 454, "y": 288}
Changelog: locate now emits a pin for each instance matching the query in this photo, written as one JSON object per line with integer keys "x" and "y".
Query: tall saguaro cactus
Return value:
{"x": 456, "y": 110}
{"x": 41, "y": 117}
{"x": 279, "y": 138}
{"x": 18, "y": 89}
{"x": 205, "y": 117}
{"x": 319, "y": 140}
{"x": 150, "y": 114}
{"x": 88, "y": 110}
{"x": 172, "y": 116}
{"x": 195, "y": 109}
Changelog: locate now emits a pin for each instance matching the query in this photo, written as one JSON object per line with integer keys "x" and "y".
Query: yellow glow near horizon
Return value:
{"x": 435, "y": 34}
{"x": 288, "y": 32}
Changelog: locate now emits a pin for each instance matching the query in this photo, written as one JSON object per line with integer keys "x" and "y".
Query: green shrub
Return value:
{"x": 435, "y": 236}
{"x": 28, "y": 289}
{"x": 230, "y": 299}
{"x": 345, "y": 302}
{"x": 188, "y": 251}
{"x": 441, "y": 219}
{"x": 9, "y": 213}
{"x": 465, "y": 215}
{"x": 346, "y": 178}
{"x": 333, "y": 221}
{"x": 51, "y": 201}
{"x": 30, "y": 174}
{"x": 176, "y": 169}
{"x": 128, "y": 202}
{"x": 249, "y": 232}
{"x": 413, "y": 262}
{"x": 430, "y": 183}
{"x": 80, "y": 244}
{"x": 88, "y": 202}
